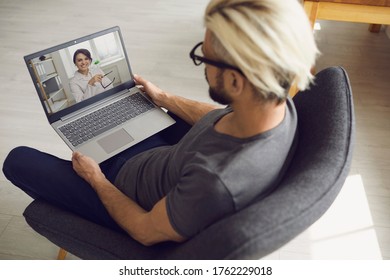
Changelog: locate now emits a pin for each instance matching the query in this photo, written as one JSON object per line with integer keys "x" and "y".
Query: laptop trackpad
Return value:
{"x": 115, "y": 141}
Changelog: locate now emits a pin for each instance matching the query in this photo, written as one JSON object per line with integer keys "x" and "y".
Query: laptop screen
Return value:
{"x": 80, "y": 72}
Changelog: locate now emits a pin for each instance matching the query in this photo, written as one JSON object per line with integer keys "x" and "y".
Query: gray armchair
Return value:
{"x": 314, "y": 179}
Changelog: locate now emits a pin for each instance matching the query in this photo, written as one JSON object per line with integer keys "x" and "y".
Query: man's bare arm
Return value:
{"x": 147, "y": 228}
{"x": 189, "y": 110}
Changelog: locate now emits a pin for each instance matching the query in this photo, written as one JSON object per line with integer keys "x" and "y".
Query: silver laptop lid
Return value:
{"x": 55, "y": 75}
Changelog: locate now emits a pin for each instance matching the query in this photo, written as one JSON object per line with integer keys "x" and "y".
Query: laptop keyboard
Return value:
{"x": 106, "y": 118}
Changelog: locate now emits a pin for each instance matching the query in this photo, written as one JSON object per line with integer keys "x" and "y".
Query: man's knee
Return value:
{"x": 15, "y": 160}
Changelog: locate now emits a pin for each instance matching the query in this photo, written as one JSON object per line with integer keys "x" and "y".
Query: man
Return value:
{"x": 253, "y": 50}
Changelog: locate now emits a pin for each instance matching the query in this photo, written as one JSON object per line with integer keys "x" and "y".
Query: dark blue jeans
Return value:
{"x": 44, "y": 176}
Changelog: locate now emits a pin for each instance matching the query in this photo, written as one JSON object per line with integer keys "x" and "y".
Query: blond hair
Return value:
{"x": 270, "y": 41}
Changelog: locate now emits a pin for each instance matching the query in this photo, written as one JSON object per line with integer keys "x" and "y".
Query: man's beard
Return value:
{"x": 219, "y": 94}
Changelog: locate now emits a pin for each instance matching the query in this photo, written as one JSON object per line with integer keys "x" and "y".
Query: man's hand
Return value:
{"x": 86, "y": 168}
{"x": 155, "y": 93}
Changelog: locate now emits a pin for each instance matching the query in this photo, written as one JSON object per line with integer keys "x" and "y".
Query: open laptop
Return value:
{"x": 102, "y": 119}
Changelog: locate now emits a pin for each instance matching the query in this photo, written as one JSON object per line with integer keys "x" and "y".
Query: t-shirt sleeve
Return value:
{"x": 198, "y": 200}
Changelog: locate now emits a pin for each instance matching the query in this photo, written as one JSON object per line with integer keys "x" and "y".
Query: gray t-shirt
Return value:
{"x": 209, "y": 175}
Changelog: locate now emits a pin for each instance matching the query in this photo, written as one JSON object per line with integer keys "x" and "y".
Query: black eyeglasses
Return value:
{"x": 109, "y": 83}
{"x": 198, "y": 60}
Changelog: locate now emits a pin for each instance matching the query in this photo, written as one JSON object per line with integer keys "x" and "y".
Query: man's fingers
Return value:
{"x": 139, "y": 80}
{"x": 76, "y": 155}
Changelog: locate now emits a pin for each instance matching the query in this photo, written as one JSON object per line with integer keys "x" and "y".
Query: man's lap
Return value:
{"x": 47, "y": 177}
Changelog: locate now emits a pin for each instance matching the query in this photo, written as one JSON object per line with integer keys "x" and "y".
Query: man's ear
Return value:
{"x": 234, "y": 82}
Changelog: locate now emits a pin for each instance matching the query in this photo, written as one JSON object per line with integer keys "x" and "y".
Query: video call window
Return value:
{"x": 100, "y": 66}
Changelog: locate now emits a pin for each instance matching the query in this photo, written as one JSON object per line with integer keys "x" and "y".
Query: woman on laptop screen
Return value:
{"x": 87, "y": 81}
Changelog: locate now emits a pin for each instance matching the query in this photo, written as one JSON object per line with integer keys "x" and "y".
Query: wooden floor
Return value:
{"x": 158, "y": 35}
